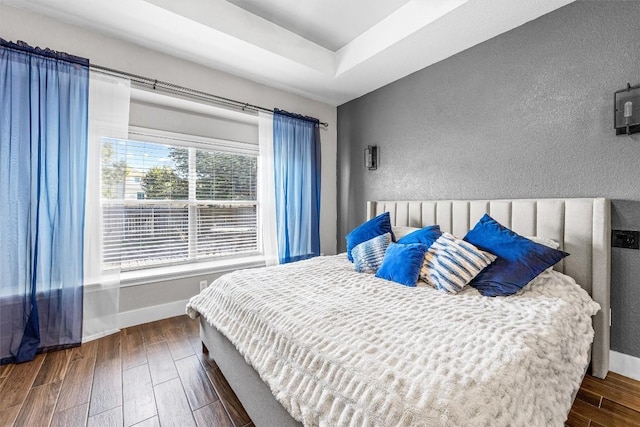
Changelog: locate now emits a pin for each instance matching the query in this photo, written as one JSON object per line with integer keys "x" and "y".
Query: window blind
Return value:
{"x": 169, "y": 199}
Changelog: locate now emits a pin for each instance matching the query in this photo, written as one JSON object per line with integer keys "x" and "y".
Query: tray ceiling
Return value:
{"x": 329, "y": 50}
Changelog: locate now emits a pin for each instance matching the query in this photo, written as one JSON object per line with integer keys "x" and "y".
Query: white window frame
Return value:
{"x": 193, "y": 143}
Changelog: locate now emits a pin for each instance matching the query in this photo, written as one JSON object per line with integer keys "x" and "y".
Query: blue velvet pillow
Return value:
{"x": 426, "y": 235}
{"x": 370, "y": 229}
{"x": 402, "y": 263}
{"x": 519, "y": 261}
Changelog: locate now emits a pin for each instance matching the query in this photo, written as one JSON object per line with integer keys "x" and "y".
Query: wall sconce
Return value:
{"x": 627, "y": 110}
{"x": 371, "y": 157}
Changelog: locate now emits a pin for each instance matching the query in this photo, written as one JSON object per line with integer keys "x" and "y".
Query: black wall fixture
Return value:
{"x": 627, "y": 110}
{"x": 371, "y": 157}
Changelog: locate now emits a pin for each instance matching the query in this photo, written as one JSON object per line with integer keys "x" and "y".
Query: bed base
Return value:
{"x": 253, "y": 393}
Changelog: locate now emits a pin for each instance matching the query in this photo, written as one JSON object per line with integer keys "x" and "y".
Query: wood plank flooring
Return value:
{"x": 156, "y": 375}
{"x": 148, "y": 375}
{"x": 614, "y": 401}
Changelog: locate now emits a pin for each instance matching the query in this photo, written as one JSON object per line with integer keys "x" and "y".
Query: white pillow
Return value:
{"x": 400, "y": 231}
{"x": 451, "y": 263}
{"x": 544, "y": 241}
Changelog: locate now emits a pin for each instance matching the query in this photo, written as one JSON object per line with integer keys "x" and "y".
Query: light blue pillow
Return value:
{"x": 370, "y": 229}
{"x": 451, "y": 263}
{"x": 426, "y": 235}
{"x": 368, "y": 256}
{"x": 519, "y": 259}
{"x": 401, "y": 263}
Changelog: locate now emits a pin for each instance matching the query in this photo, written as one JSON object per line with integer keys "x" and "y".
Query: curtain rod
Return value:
{"x": 157, "y": 84}
{"x": 146, "y": 81}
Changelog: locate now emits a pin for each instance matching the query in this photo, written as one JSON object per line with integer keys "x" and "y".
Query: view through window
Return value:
{"x": 172, "y": 203}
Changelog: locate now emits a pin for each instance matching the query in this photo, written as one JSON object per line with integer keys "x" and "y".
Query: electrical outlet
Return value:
{"x": 203, "y": 285}
{"x": 625, "y": 239}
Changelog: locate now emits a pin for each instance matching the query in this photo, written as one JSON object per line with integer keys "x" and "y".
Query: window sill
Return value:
{"x": 159, "y": 274}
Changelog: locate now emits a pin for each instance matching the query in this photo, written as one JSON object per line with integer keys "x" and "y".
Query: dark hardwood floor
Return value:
{"x": 156, "y": 374}
{"x": 614, "y": 401}
{"x": 148, "y": 375}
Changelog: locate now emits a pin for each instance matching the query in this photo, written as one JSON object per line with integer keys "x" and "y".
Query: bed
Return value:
{"x": 301, "y": 370}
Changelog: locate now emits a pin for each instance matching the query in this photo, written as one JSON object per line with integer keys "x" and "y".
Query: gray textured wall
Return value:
{"x": 526, "y": 114}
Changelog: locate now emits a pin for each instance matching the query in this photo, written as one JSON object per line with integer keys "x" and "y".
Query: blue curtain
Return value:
{"x": 43, "y": 146}
{"x": 296, "y": 147}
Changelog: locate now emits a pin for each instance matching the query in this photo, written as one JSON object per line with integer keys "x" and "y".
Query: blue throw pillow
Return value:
{"x": 426, "y": 235}
{"x": 519, "y": 261}
{"x": 368, "y": 256}
{"x": 402, "y": 263}
{"x": 370, "y": 229}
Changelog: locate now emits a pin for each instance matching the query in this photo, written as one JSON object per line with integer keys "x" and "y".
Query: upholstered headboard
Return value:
{"x": 581, "y": 226}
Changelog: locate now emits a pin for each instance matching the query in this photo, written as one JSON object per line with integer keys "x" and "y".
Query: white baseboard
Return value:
{"x": 623, "y": 364}
{"x": 151, "y": 314}
{"x": 99, "y": 335}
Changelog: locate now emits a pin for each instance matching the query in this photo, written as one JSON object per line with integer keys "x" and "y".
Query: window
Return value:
{"x": 170, "y": 198}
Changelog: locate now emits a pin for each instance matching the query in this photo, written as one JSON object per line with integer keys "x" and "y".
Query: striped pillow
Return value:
{"x": 368, "y": 256}
{"x": 451, "y": 263}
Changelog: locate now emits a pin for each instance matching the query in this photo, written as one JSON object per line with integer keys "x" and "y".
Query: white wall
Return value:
{"x": 38, "y": 30}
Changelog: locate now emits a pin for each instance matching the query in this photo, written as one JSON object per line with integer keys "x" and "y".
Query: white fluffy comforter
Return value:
{"x": 341, "y": 348}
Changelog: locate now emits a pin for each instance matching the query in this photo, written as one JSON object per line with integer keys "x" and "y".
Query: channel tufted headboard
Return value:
{"x": 581, "y": 226}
